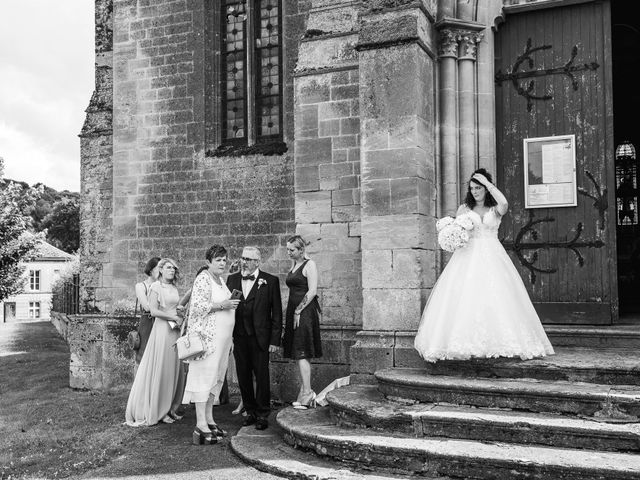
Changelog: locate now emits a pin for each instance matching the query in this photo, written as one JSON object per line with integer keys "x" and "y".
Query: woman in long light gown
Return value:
{"x": 479, "y": 306}
{"x": 212, "y": 315}
{"x": 153, "y": 394}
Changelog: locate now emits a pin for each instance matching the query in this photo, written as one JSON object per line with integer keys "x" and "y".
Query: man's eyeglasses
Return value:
{"x": 245, "y": 259}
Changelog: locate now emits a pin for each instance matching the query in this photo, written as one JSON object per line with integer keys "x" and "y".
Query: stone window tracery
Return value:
{"x": 252, "y": 71}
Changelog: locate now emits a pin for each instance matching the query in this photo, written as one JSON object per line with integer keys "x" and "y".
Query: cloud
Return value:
{"x": 27, "y": 159}
{"x": 46, "y": 80}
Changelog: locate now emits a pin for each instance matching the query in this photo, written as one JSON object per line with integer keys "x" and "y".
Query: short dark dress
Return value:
{"x": 304, "y": 341}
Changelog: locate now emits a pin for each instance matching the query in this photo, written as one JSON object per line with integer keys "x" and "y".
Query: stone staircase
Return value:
{"x": 570, "y": 416}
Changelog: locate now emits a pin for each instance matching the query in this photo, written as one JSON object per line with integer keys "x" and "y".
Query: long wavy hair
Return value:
{"x": 489, "y": 201}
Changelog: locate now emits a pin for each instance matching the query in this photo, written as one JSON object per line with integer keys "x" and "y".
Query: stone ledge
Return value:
{"x": 266, "y": 451}
{"x": 365, "y": 407}
{"x": 313, "y": 430}
{"x": 616, "y": 403}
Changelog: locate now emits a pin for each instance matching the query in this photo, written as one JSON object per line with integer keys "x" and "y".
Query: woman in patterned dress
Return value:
{"x": 212, "y": 316}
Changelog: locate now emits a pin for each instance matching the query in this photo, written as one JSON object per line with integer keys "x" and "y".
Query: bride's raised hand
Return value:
{"x": 478, "y": 177}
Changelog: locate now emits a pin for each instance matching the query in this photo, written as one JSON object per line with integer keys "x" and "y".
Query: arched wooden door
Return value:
{"x": 553, "y": 77}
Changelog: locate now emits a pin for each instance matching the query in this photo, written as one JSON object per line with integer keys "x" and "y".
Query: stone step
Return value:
{"x": 365, "y": 407}
{"x": 266, "y": 451}
{"x": 557, "y": 396}
{"x": 611, "y": 366}
{"x": 613, "y": 336}
{"x": 314, "y": 430}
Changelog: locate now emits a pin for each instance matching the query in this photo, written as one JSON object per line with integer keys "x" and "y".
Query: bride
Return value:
{"x": 479, "y": 306}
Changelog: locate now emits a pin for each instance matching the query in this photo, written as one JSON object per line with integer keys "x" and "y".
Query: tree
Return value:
{"x": 17, "y": 243}
{"x": 63, "y": 224}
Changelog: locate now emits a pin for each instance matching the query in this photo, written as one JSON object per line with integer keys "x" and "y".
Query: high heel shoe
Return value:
{"x": 217, "y": 431}
{"x": 203, "y": 438}
{"x": 309, "y": 401}
{"x": 171, "y": 417}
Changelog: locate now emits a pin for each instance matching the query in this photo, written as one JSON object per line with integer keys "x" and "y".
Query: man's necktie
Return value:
{"x": 248, "y": 277}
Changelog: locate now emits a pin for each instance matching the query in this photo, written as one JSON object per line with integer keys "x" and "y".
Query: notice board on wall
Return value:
{"x": 550, "y": 172}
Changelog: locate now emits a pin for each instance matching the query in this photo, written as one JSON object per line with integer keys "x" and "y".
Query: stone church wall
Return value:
{"x": 155, "y": 182}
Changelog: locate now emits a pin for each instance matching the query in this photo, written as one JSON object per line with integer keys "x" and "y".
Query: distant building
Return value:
{"x": 34, "y": 303}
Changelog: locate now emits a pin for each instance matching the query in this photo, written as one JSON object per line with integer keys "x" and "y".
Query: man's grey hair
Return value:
{"x": 255, "y": 250}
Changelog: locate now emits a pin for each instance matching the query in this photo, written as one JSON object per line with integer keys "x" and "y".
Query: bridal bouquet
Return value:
{"x": 453, "y": 233}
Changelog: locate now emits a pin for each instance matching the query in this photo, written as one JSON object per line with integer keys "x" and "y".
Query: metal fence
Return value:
{"x": 66, "y": 298}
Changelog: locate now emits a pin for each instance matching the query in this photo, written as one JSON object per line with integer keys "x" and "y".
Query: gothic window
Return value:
{"x": 251, "y": 57}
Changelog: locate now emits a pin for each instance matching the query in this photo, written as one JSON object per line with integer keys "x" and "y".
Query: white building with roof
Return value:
{"x": 34, "y": 303}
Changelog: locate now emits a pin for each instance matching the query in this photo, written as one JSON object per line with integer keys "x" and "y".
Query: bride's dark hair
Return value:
{"x": 489, "y": 201}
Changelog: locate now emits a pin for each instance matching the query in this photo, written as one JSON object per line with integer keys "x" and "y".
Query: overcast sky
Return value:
{"x": 46, "y": 81}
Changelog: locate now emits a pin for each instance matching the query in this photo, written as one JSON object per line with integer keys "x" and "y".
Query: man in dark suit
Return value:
{"x": 256, "y": 333}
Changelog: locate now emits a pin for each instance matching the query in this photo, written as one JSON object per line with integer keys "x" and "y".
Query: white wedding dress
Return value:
{"x": 479, "y": 306}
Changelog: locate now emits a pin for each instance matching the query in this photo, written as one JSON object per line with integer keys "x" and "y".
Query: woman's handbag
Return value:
{"x": 189, "y": 346}
{"x": 133, "y": 338}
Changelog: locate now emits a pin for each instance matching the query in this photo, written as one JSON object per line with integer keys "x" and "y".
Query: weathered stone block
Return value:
{"x": 410, "y": 195}
{"x": 375, "y": 134}
{"x": 306, "y": 125}
{"x": 311, "y": 233}
{"x": 396, "y": 163}
{"x": 372, "y": 351}
{"x": 330, "y": 230}
{"x": 413, "y": 268}
{"x": 335, "y": 19}
{"x": 307, "y": 179}
{"x": 313, "y": 207}
{"x": 344, "y": 92}
{"x": 332, "y": 110}
{"x": 349, "y": 181}
{"x": 405, "y": 354}
{"x": 345, "y": 213}
{"x": 392, "y": 308}
{"x": 355, "y": 229}
{"x": 342, "y": 197}
{"x": 329, "y": 128}
{"x": 312, "y": 89}
{"x": 397, "y": 231}
{"x": 327, "y": 52}
{"x": 377, "y": 268}
{"x": 376, "y": 197}
{"x": 349, "y": 126}
{"x": 341, "y": 244}
{"x": 330, "y": 174}
{"x": 99, "y": 356}
{"x": 313, "y": 151}
{"x": 340, "y": 315}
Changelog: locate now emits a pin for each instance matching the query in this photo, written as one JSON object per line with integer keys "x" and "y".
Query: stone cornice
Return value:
{"x": 428, "y": 7}
{"x": 514, "y": 6}
{"x": 457, "y": 24}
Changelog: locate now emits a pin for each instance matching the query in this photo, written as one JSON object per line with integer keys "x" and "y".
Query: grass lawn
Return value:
{"x": 48, "y": 430}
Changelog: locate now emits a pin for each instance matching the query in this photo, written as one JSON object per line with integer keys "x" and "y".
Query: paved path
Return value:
{"x": 159, "y": 452}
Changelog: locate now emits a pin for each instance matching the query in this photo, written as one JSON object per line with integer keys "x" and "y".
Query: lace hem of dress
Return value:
{"x": 448, "y": 355}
